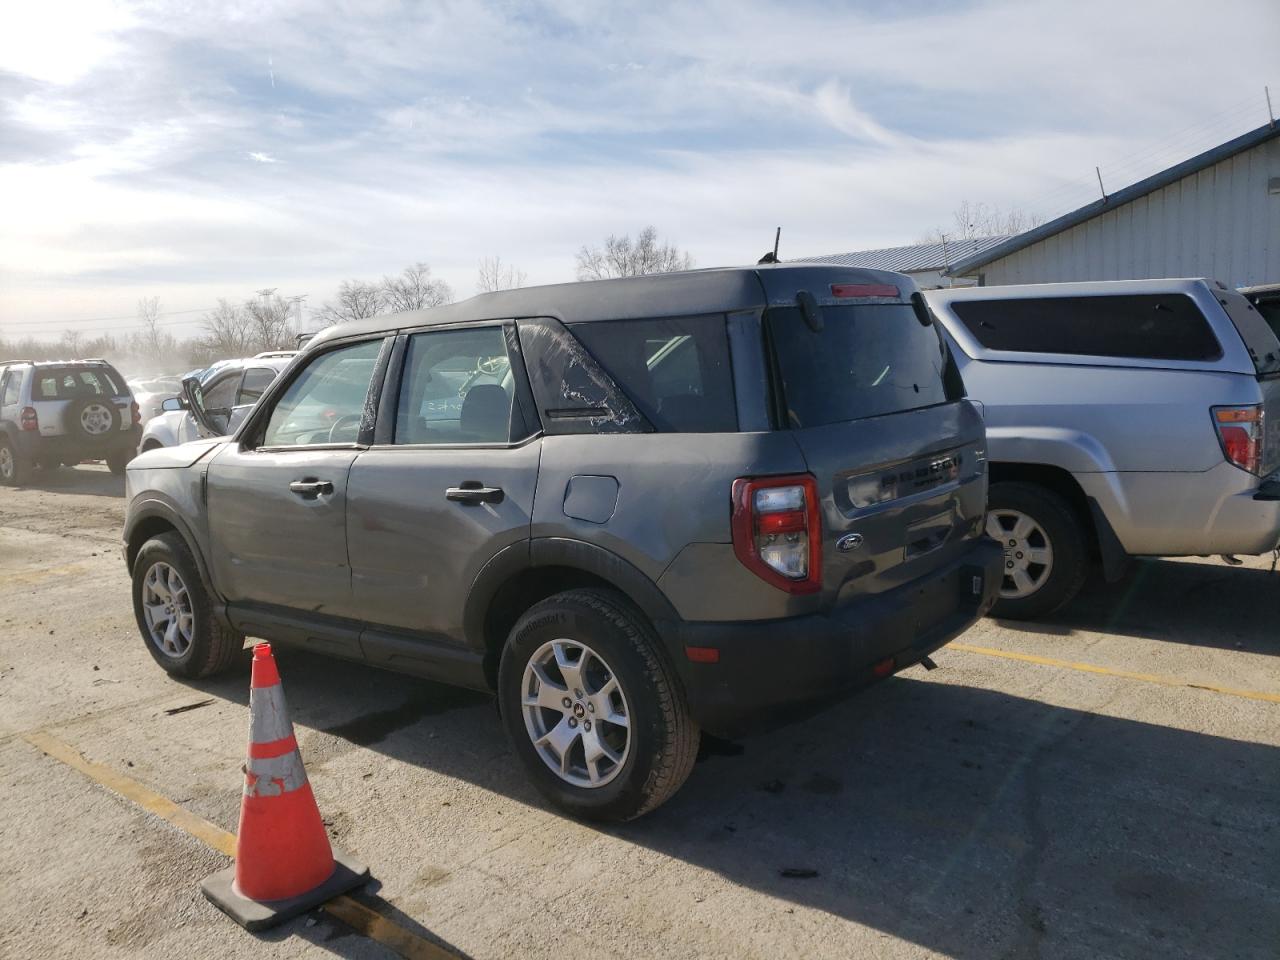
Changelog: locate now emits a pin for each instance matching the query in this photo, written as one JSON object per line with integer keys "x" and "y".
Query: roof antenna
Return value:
{"x": 1270, "y": 113}
{"x": 1100, "y": 186}
{"x": 772, "y": 257}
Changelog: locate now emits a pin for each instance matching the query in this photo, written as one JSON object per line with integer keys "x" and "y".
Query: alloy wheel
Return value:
{"x": 1028, "y": 553}
{"x": 166, "y": 608}
{"x": 576, "y": 713}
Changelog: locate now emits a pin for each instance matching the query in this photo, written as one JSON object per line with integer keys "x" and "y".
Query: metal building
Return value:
{"x": 926, "y": 263}
{"x": 1216, "y": 215}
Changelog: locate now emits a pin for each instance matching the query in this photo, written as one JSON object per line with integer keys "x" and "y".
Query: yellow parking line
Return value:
{"x": 1123, "y": 674}
{"x": 351, "y": 912}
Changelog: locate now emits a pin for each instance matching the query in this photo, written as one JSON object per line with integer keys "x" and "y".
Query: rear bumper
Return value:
{"x": 770, "y": 671}
{"x": 71, "y": 449}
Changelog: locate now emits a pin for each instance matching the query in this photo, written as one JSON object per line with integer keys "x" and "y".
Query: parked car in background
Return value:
{"x": 1127, "y": 418}
{"x": 230, "y": 387}
{"x": 646, "y": 507}
{"x": 61, "y": 412}
{"x": 151, "y": 393}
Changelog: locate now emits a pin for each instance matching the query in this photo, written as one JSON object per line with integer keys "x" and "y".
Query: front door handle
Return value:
{"x": 309, "y": 489}
{"x": 473, "y": 491}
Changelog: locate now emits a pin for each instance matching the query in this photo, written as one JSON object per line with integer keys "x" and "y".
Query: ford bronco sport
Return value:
{"x": 61, "y": 412}
{"x": 635, "y": 509}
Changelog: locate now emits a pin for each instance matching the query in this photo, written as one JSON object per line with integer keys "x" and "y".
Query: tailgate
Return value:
{"x": 902, "y": 495}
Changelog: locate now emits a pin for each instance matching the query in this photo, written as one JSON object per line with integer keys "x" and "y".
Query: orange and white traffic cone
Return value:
{"x": 284, "y": 864}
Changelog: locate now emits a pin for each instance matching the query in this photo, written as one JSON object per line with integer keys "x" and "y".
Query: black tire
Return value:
{"x": 664, "y": 738}
{"x": 1065, "y": 531}
{"x": 108, "y": 419}
{"x": 15, "y": 469}
{"x": 213, "y": 649}
{"x": 118, "y": 460}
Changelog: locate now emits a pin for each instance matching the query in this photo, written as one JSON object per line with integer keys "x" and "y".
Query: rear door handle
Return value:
{"x": 311, "y": 488}
{"x": 473, "y": 491}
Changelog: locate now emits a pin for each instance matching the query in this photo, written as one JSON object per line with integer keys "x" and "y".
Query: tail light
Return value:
{"x": 136, "y": 411}
{"x": 777, "y": 533}
{"x": 1240, "y": 433}
{"x": 28, "y": 420}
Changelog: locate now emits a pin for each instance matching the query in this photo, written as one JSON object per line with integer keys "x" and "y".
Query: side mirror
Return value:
{"x": 172, "y": 404}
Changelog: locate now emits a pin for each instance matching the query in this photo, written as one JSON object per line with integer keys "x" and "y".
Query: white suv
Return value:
{"x": 63, "y": 411}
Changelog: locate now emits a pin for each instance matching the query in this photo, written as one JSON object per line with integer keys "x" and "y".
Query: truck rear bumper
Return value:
{"x": 73, "y": 449}
{"x": 770, "y": 671}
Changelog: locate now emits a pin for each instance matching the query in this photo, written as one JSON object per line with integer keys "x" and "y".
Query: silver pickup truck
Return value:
{"x": 1124, "y": 418}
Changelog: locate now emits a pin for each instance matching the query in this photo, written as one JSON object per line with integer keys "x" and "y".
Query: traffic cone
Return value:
{"x": 284, "y": 864}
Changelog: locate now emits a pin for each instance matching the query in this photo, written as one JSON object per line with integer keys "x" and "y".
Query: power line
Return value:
{"x": 128, "y": 316}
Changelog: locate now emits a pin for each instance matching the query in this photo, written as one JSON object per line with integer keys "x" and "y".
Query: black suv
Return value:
{"x": 635, "y": 509}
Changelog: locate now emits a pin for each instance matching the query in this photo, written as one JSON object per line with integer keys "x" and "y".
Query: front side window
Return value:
{"x": 457, "y": 387}
{"x": 221, "y": 394}
{"x": 674, "y": 369}
{"x": 1144, "y": 327}
{"x": 326, "y": 402}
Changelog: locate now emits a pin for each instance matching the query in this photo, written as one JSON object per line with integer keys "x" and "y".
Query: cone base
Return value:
{"x": 348, "y": 873}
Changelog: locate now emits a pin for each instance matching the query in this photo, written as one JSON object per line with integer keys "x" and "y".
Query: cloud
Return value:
{"x": 456, "y": 130}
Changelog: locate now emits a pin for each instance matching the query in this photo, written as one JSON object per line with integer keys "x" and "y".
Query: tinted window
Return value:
{"x": 865, "y": 361}
{"x": 1147, "y": 326}
{"x": 457, "y": 388}
{"x": 326, "y": 402}
{"x": 256, "y": 381}
{"x": 675, "y": 370}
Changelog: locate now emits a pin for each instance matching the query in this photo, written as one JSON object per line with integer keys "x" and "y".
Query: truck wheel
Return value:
{"x": 1045, "y": 557}
{"x": 15, "y": 469}
{"x": 593, "y": 709}
{"x": 117, "y": 461}
{"x": 174, "y": 612}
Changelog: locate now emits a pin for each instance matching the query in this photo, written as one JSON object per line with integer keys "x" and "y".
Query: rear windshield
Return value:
{"x": 1257, "y": 332}
{"x": 67, "y": 383}
{"x": 675, "y": 369}
{"x": 1144, "y": 327}
{"x": 866, "y": 361}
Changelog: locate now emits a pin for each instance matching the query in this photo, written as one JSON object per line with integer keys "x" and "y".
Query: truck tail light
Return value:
{"x": 777, "y": 533}
{"x": 28, "y": 420}
{"x": 1241, "y": 435}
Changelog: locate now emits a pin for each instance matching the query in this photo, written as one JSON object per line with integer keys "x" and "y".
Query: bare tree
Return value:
{"x": 624, "y": 257}
{"x": 414, "y": 289}
{"x": 227, "y": 331}
{"x": 356, "y": 300}
{"x": 270, "y": 321}
{"x": 496, "y": 275}
{"x": 72, "y": 341}
{"x": 151, "y": 344}
{"x": 971, "y": 220}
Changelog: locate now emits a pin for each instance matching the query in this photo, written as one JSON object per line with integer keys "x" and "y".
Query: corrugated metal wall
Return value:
{"x": 1219, "y": 223}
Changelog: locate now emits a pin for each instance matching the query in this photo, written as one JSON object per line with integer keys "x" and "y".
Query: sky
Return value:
{"x": 195, "y": 151}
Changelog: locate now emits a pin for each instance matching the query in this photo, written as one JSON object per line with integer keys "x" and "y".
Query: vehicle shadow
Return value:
{"x": 1206, "y": 604}
{"x": 90, "y": 479}
{"x": 968, "y": 821}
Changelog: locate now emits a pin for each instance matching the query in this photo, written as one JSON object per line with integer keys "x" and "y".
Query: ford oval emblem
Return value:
{"x": 850, "y": 541}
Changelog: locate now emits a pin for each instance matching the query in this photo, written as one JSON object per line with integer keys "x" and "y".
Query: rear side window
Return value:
{"x": 11, "y": 386}
{"x": 675, "y": 369}
{"x": 255, "y": 383}
{"x": 1143, "y": 327}
{"x": 866, "y": 361}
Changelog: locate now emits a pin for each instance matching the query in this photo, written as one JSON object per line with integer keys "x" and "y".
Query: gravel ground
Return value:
{"x": 991, "y": 808}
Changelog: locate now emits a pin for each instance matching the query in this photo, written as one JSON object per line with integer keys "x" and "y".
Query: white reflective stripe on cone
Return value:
{"x": 272, "y": 777}
{"x": 268, "y": 715}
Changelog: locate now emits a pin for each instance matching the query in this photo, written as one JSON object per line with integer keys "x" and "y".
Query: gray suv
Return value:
{"x": 1124, "y": 418}
{"x": 635, "y": 509}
